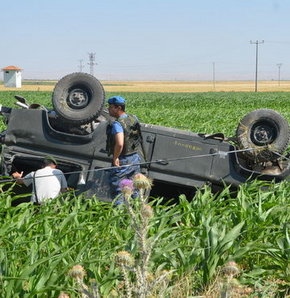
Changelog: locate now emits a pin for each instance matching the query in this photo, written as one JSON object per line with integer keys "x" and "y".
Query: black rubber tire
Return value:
{"x": 78, "y": 98}
{"x": 264, "y": 130}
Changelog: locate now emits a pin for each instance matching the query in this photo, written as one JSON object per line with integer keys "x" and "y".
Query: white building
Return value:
{"x": 12, "y": 76}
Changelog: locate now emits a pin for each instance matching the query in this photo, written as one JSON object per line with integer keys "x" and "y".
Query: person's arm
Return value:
{"x": 18, "y": 177}
{"x": 63, "y": 182}
{"x": 119, "y": 145}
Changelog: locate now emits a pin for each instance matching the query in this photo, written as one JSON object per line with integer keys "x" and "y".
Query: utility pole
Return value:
{"x": 256, "y": 75}
{"x": 92, "y": 62}
{"x": 213, "y": 75}
{"x": 279, "y": 71}
{"x": 81, "y": 65}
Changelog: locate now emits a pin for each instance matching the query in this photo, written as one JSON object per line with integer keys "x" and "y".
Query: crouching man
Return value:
{"x": 47, "y": 182}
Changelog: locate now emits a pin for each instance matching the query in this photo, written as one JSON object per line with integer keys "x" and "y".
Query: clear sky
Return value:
{"x": 147, "y": 39}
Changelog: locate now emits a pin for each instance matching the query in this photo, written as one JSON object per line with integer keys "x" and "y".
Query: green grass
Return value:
{"x": 41, "y": 83}
{"x": 199, "y": 112}
{"x": 38, "y": 245}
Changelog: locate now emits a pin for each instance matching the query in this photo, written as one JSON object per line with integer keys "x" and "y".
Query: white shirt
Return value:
{"x": 48, "y": 183}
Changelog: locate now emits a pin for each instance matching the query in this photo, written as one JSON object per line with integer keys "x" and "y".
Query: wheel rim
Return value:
{"x": 78, "y": 98}
{"x": 263, "y": 133}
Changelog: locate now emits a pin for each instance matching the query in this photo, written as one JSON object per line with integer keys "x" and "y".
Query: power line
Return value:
{"x": 213, "y": 74}
{"x": 81, "y": 65}
{"x": 279, "y": 71}
{"x": 256, "y": 75}
{"x": 92, "y": 62}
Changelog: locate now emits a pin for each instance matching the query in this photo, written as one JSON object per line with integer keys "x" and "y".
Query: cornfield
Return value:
{"x": 212, "y": 245}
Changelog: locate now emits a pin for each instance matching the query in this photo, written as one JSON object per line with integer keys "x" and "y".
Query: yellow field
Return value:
{"x": 28, "y": 88}
{"x": 173, "y": 86}
{"x": 194, "y": 86}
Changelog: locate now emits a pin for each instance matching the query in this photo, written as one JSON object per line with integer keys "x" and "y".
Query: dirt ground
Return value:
{"x": 173, "y": 86}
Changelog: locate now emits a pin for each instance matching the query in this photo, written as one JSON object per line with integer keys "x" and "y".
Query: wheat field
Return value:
{"x": 170, "y": 86}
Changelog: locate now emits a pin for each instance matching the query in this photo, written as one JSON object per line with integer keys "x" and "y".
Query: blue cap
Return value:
{"x": 116, "y": 100}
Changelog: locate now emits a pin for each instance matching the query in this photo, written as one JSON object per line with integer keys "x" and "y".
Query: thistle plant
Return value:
{"x": 125, "y": 261}
{"x": 140, "y": 215}
{"x": 226, "y": 285}
{"x": 230, "y": 270}
{"x": 63, "y": 295}
{"x": 142, "y": 183}
{"x": 78, "y": 273}
{"x": 127, "y": 187}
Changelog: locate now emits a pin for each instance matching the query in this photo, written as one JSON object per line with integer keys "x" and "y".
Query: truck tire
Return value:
{"x": 266, "y": 132}
{"x": 78, "y": 98}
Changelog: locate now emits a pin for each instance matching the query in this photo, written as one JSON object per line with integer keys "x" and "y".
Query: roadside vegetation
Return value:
{"x": 213, "y": 245}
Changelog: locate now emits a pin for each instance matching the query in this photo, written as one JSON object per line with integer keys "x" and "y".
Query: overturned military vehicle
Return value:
{"x": 178, "y": 161}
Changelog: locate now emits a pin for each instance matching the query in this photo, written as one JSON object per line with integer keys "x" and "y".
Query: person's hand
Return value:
{"x": 17, "y": 175}
{"x": 116, "y": 162}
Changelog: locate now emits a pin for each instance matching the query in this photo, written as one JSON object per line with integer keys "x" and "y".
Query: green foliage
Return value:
{"x": 38, "y": 245}
{"x": 193, "y": 238}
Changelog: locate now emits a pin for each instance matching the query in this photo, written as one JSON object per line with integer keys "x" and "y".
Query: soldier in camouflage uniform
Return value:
{"x": 123, "y": 142}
